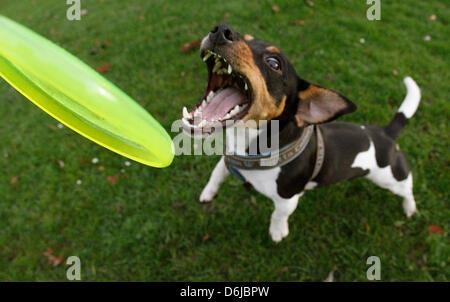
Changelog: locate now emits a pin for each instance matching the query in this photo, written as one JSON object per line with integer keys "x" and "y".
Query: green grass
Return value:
{"x": 149, "y": 226}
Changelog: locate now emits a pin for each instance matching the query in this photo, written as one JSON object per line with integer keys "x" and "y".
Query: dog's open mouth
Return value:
{"x": 227, "y": 97}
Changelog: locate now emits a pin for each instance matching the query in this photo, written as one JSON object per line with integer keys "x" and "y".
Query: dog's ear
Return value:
{"x": 319, "y": 105}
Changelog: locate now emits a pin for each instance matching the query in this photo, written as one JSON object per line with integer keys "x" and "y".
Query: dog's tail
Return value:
{"x": 406, "y": 110}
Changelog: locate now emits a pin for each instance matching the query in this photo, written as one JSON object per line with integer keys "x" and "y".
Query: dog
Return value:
{"x": 249, "y": 79}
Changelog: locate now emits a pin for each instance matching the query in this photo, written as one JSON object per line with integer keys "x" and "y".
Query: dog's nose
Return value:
{"x": 222, "y": 34}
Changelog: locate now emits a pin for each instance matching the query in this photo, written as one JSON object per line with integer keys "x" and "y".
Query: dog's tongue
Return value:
{"x": 222, "y": 103}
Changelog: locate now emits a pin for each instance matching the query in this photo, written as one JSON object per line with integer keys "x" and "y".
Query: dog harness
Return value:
{"x": 280, "y": 157}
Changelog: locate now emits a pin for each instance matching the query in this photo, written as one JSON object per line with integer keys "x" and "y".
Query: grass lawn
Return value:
{"x": 149, "y": 226}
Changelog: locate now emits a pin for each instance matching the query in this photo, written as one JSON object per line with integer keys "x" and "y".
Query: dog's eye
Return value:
{"x": 273, "y": 63}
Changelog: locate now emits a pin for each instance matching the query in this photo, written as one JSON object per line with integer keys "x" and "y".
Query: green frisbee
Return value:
{"x": 79, "y": 97}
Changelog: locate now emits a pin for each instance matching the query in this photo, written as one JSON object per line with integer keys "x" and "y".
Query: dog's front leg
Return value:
{"x": 217, "y": 178}
{"x": 279, "y": 221}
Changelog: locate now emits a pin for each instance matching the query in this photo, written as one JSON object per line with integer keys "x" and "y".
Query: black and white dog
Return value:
{"x": 253, "y": 80}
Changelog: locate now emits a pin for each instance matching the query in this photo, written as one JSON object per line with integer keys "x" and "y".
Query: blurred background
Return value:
{"x": 62, "y": 195}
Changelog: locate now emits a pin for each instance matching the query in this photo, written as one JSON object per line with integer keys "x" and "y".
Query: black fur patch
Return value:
{"x": 387, "y": 153}
{"x": 396, "y": 125}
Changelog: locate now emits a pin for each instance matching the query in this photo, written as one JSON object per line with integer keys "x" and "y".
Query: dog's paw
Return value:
{"x": 207, "y": 195}
{"x": 278, "y": 230}
{"x": 409, "y": 206}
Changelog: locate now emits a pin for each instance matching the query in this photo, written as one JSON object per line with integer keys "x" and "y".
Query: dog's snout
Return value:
{"x": 222, "y": 34}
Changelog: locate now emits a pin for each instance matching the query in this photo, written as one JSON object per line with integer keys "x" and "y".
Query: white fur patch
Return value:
{"x": 310, "y": 185}
{"x": 384, "y": 178}
{"x": 365, "y": 160}
{"x": 264, "y": 181}
{"x": 412, "y": 99}
{"x": 218, "y": 176}
{"x": 204, "y": 41}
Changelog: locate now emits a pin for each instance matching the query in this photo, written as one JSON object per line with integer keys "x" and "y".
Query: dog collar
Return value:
{"x": 279, "y": 158}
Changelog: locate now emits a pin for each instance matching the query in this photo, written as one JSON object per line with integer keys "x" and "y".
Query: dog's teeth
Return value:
{"x": 207, "y": 56}
{"x": 235, "y": 110}
{"x": 203, "y": 104}
{"x": 244, "y": 106}
{"x": 217, "y": 66}
{"x": 202, "y": 123}
{"x": 210, "y": 96}
{"x": 246, "y": 86}
{"x": 230, "y": 69}
{"x": 186, "y": 114}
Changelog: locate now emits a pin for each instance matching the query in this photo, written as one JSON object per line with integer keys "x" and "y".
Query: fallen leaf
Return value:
{"x": 113, "y": 178}
{"x": 82, "y": 161}
{"x": 52, "y": 259}
{"x": 284, "y": 269}
{"x": 225, "y": 17}
{"x": 13, "y": 180}
{"x": 310, "y": 3}
{"x": 297, "y": 23}
{"x": 432, "y": 17}
{"x": 84, "y": 12}
{"x": 101, "y": 168}
{"x": 435, "y": 229}
{"x": 368, "y": 52}
{"x": 206, "y": 237}
{"x": 276, "y": 8}
{"x": 190, "y": 46}
{"x": 105, "y": 44}
{"x": 104, "y": 68}
{"x": 61, "y": 164}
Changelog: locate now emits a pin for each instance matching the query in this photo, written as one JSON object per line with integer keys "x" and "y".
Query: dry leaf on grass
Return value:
{"x": 276, "y": 8}
{"x": 284, "y": 269}
{"x": 61, "y": 164}
{"x": 113, "y": 178}
{"x": 52, "y": 259}
{"x": 435, "y": 229}
{"x": 206, "y": 237}
{"x": 13, "y": 180}
{"x": 225, "y": 17}
{"x": 104, "y": 68}
{"x": 190, "y": 46}
{"x": 297, "y": 23}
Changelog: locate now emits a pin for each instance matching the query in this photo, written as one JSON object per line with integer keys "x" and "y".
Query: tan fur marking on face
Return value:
{"x": 264, "y": 106}
{"x": 248, "y": 37}
{"x": 273, "y": 49}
